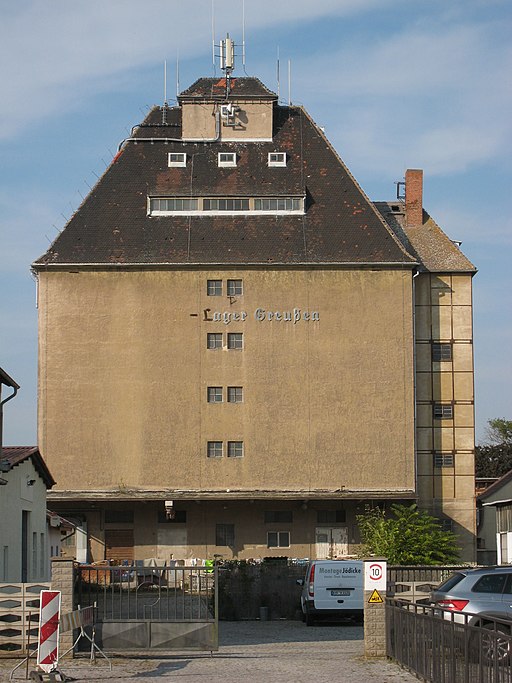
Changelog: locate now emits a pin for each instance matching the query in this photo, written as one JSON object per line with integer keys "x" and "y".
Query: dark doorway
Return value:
{"x": 24, "y": 545}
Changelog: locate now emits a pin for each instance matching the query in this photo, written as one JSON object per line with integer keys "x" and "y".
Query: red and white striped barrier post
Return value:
{"x": 48, "y": 648}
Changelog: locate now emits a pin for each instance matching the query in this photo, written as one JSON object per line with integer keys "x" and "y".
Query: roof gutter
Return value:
{"x": 212, "y": 264}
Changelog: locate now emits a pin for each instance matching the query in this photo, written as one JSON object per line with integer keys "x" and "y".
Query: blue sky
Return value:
{"x": 395, "y": 84}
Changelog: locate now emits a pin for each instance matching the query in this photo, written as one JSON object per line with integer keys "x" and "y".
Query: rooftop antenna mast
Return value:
{"x": 278, "y": 76}
{"x": 243, "y": 36}
{"x": 177, "y": 72}
{"x": 166, "y": 104}
{"x": 213, "y": 36}
{"x": 289, "y": 82}
{"x": 227, "y": 59}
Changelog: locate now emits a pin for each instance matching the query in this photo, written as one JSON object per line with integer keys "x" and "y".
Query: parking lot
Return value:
{"x": 251, "y": 650}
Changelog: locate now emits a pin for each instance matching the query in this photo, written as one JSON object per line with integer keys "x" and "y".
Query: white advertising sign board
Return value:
{"x": 375, "y": 575}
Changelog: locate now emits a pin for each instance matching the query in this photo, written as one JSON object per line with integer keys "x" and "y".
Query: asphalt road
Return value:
{"x": 250, "y": 651}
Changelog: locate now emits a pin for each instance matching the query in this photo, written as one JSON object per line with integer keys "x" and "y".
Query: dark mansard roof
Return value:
{"x": 340, "y": 225}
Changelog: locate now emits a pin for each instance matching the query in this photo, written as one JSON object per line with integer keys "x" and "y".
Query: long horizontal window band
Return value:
{"x": 232, "y": 204}
{"x": 173, "y": 205}
{"x": 168, "y": 206}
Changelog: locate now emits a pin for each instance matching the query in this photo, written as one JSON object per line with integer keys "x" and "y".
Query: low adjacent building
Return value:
{"x": 24, "y": 547}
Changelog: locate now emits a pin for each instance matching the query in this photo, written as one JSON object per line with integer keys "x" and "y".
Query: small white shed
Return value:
{"x": 24, "y": 551}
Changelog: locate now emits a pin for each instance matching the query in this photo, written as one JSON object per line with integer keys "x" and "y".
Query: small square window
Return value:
{"x": 214, "y": 287}
{"x": 443, "y": 460}
{"x": 235, "y": 394}
{"x": 177, "y": 159}
{"x": 214, "y": 394}
{"x": 235, "y": 288}
{"x": 331, "y": 516}
{"x": 278, "y": 516}
{"x": 235, "y": 449}
{"x": 214, "y": 340}
{"x": 180, "y": 517}
{"x": 225, "y": 534}
{"x": 235, "y": 340}
{"x": 443, "y": 411}
{"x": 277, "y": 158}
{"x": 214, "y": 449}
{"x": 118, "y": 516}
{"x": 227, "y": 159}
{"x": 278, "y": 539}
{"x": 441, "y": 352}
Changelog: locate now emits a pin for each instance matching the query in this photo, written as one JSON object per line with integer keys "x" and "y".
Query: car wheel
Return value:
{"x": 496, "y": 647}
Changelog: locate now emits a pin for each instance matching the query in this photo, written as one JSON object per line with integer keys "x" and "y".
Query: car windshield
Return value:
{"x": 450, "y": 583}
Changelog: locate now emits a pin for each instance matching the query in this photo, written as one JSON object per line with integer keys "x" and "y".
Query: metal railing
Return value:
{"x": 448, "y": 647}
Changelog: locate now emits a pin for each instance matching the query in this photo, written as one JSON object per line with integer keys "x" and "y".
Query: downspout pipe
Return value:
{"x": 9, "y": 382}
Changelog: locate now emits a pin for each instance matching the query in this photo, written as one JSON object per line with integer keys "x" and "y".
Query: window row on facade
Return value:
{"x": 234, "y": 287}
{"x": 233, "y": 394}
{"x": 225, "y": 536}
{"x": 234, "y": 341}
{"x": 269, "y": 517}
{"x": 226, "y": 159}
{"x": 166, "y": 206}
{"x": 217, "y": 449}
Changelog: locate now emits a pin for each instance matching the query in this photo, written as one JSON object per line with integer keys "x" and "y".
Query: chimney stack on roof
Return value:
{"x": 414, "y": 197}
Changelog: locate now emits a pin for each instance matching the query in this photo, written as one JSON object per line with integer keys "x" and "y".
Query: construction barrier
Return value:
{"x": 51, "y": 623}
{"x": 49, "y": 617}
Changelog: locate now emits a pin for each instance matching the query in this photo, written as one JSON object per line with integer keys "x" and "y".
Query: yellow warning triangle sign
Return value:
{"x": 375, "y": 597}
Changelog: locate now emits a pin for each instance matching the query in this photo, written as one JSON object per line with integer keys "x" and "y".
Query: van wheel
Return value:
{"x": 309, "y": 619}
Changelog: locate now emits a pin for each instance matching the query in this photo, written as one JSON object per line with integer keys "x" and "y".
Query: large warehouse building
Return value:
{"x": 239, "y": 350}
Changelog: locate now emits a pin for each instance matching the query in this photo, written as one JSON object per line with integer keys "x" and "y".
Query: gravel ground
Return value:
{"x": 251, "y": 650}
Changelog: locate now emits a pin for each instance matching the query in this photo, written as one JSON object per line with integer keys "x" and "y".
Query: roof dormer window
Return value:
{"x": 176, "y": 159}
{"x": 226, "y": 159}
{"x": 277, "y": 158}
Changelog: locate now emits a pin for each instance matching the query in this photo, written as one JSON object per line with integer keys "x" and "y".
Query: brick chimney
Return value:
{"x": 414, "y": 197}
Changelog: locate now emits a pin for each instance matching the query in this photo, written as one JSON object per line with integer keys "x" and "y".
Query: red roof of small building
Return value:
{"x": 15, "y": 455}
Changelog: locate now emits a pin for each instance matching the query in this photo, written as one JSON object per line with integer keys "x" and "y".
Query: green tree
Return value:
{"x": 494, "y": 458}
{"x": 407, "y": 536}
{"x": 499, "y": 431}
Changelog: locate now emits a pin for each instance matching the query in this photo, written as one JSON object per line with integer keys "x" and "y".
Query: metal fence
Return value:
{"x": 145, "y": 607}
{"x": 446, "y": 647}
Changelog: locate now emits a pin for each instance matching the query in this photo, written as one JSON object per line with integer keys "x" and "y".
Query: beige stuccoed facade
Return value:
{"x": 304, "y": 381}
{"x": 255, "y": 122}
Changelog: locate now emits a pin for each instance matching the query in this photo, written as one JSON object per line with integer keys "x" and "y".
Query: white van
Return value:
{"x": 332, "y": 588}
